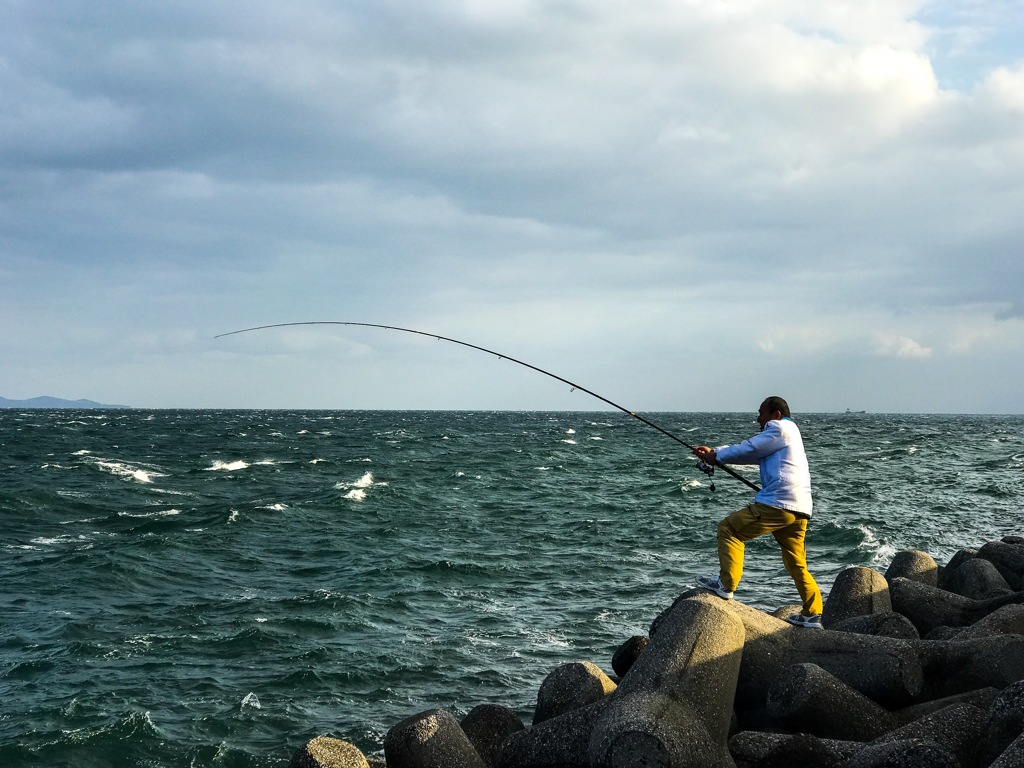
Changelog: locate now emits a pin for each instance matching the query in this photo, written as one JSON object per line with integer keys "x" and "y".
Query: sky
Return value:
{"x": 681, "y": 206}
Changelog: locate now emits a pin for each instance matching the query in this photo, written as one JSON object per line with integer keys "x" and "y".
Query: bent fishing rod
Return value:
{"x": 705, "y": 467}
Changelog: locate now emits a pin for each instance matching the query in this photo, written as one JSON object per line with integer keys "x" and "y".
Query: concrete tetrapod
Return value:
{"x": 977, "y": 579}
{"x": 571, "y": 686}
{"x": 930, "y": 607}
{"x": 428, "y": 740}
{"x": 912, "y": 753}
{"x": 1012, "y": 756}
{"x": 555, "y": 743}
{"x": 487, "y": 726}
{"x": 856, "y": 591}
{"x": 915, "y": 565}
{"x": 328, "y": 752}
{"x": 888, "y": 624}
{"x": 956, "y": 666}
{"x": 808, "y": 699}
{"x": 675, "y": 706}
{"x": 1008, "y": 558}
{"x": 760, "y": 748}
{"x": 884, "y": 669}
{"x": 1005, "y": 722}
{"x": 1008, "y": 620}
{"x": 957, "y": 728}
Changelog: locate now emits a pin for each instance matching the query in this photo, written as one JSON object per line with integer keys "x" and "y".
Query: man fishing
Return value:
{"x": 782, "y": 507}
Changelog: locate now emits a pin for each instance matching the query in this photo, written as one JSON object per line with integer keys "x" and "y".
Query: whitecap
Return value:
{"x": 881, "y": 551}
{"x": 357, "y": 489}
{"x": 159, "y": 513}
{"x": 279, "y": 507}
{"x": 128, "y": 471}
{"x": 569, "y": 442}
{"x": 596, "y": 437}
{"x": 570, "y": 431}
{"x": 251, "y": 701}
{"x": 49, "y": 541}
{"x": 227, "y": 466}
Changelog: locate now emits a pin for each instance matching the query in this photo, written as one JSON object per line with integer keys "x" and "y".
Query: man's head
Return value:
{"x": 772, "y": 408}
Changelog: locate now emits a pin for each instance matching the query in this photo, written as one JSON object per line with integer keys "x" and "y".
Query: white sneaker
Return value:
{"x": 813, "y": 622}
{"x": 715, "y": 585}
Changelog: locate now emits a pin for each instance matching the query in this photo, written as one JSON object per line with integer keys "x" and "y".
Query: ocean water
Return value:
{"x": 215, "y": 588}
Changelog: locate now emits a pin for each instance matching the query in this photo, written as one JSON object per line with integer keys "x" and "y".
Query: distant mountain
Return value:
{"x": 54, "y": 402}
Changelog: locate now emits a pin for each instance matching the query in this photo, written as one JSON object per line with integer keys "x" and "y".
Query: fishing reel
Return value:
{"x": 709, "y": 470}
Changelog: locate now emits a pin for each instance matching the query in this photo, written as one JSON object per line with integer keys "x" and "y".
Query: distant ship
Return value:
{"x": 848, "y": 411}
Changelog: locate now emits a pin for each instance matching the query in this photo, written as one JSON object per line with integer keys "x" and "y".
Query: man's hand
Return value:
{"x": 705, "y": 454}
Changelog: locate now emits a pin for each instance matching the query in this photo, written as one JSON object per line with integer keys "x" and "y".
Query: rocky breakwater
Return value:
{"x": 919, "y": 667}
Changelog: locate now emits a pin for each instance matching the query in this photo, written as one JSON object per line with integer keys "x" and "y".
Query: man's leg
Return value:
{"x": 739, "y": 527}
{"x": 794, "y": 556}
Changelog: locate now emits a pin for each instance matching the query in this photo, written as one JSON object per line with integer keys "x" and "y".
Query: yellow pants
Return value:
{"x": 789, "y": 530}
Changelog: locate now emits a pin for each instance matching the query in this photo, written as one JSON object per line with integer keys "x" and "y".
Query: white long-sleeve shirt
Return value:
{"x": 785, "y": 476}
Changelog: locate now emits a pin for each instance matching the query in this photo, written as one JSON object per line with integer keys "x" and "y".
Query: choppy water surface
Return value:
{"x": 217, "y": 587}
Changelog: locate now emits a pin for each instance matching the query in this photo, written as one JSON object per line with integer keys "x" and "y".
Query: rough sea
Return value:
{"x": 215, "y": 588}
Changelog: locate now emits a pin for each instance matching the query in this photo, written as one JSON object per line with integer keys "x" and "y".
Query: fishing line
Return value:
{"x": 707, "y": 469}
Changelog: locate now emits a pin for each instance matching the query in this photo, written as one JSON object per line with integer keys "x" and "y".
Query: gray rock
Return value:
{"x": 571, "y": 686}
{"x": 810, "y": 700}
{"x": 915, "y": 565}
{"x": 889, "y": 624}
{"x": 903, "y": 754}
{"x": 430, "y": 739}
{"x": 856, "y": 591}
{"x": 328, "y": 752}
{"x": 487, "y": 726}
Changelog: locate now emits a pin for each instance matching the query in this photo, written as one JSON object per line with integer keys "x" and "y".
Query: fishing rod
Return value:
{"x": 705, "y": 467}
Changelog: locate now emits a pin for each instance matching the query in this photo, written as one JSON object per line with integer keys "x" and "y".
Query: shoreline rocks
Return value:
{"x": 920, "y": 666}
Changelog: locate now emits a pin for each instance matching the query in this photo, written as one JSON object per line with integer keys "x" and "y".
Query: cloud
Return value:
{"x": 900, "y": 346}
{"x": 600, "y": 182}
